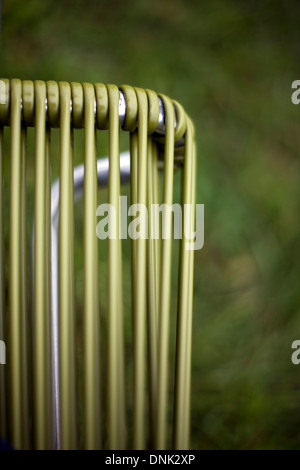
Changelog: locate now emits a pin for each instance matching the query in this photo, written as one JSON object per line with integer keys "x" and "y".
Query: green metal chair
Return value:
{"x": 39, "y": 404}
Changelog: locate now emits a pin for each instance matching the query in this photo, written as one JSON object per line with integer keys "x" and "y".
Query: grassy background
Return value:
{"x": 231, "y": 65}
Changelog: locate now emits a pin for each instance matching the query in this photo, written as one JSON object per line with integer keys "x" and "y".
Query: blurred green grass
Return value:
{"x": 231, "y": 65}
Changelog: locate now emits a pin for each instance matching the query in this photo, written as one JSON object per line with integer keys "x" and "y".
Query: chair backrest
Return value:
{"x": 60, "y": 386}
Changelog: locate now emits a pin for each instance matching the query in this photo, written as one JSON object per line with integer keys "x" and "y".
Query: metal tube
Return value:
{"x": 26, "y": 366}
{"x": 115, "y": 355}
{"x": 165, "y": 290}
{"x": 66, "y": 307}
{"x": 15, "y": 308}
{"x": 182, "y": 363}
{"x": 186, "y": 430}
{"x": 91, "y": 308}
{"x": 41, "y": 343}
{"x": 3, "y": 374}
{"x": 160, "y": 129}
{"x": 133, "y": 200}
{"x": 139, "y": 437}
{"x": 152, "y": 307}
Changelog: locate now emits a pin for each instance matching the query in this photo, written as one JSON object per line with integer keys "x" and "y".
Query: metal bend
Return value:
{"x": 102, "y": 172}
{"x": 160, "y": 129}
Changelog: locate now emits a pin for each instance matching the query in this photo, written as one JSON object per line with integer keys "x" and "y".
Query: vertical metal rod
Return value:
{"x": 133, "y": 200}
{"x": 3, "y": 375}
{"x": 92, "y": 403}
{"x": 55, "y": 379}
{"x": 53, "y": 116}
{"x": 48, "y": 274}
{"x": 113, "y": 272}
{"x": 15, "y": 306}
{"x": 41, "y": 320}
{"x": 139, "y": 436}
{"x": 151, "y": 290}
{"x": 72, "y": 282}
{"x": 26, "y": 367}
{"x": 66, "y": 306}
{"x": 121, "y": 358}
{"x": 190, "y": 307}
{"x": 165, "y": 289}
{"x": 180, "y": 410}
{"x": 157, "y": 242}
